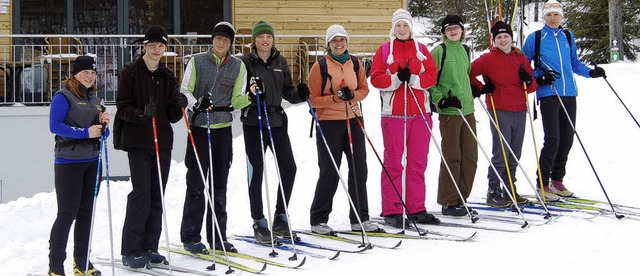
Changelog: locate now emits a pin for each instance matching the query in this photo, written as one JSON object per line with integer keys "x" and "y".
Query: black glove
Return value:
{"x": 258, "y": 82}
{"x": 476, "y": 91}
{"x": 488, "y": 87}
{"x": 260, "y": 92}
{"x": 452, "y": 101}
{"x": 303, "y": 91}
{"x": 345, "y": 94}
{"x": 546, "y": 78}
{"x": 150, "y": 110}
{"x": 203, "y": 103}
{"x": 524, "y": 75}
{"x": 404, "y": 74}
{"x": 597, "y": 72}
{"x": 181, "y": 100}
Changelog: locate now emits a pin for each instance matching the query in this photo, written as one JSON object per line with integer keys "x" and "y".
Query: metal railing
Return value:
{"x": 34, "y": 66}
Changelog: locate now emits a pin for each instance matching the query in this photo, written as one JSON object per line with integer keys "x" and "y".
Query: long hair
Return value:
{"x": 73, "y": 85}
{"x": 518, "y": 51}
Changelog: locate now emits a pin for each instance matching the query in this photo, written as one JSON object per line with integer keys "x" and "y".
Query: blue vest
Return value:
{"x": 83, "y": 113}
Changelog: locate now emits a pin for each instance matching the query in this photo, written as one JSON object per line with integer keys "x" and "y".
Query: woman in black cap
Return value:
{"x": 504, "y": 69}
{"x": 146, "y": 90}
{"x": 77, "y": 119}
{"x": 453, "y": 97}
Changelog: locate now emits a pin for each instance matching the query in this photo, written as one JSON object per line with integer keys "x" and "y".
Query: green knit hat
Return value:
{"x": 262, "y": 27}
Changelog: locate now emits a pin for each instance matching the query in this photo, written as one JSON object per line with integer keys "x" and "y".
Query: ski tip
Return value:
{"x": 525, "y": 225}
{"x": 335, "y": 256}
{"x": 304, "y": 259}
{"x": 263, "y": 267}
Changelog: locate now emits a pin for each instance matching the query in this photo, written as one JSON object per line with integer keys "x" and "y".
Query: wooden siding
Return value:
{"x": 5, "y": 28}
{"x": 312, "y": 18}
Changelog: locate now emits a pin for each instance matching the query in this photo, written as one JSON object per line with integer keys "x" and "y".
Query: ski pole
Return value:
{"x": 386, "y": 172}
{"x": 95, "y": 198}
{"x": 404, "y": 156}
{"x": 280, "y": 185}
{"x": 164, "y": 208}
{"x": 531, "y": 183}
{"x": 210, "y": 186}
{"x": 106, "y": 163}
{"x": 613, "y": 209}
{"x": 535, "y": 145}
{"x": 515, "y": 203}
{"x": 616, "y": 93}
{"x": 366, "y": 244}
{"x": 353, "y": 164}
{"x": 496, "y": 124}
{"x": 473, "y": 218}
{"x": 280, "y": 188}
{"x": 206, "y": 184}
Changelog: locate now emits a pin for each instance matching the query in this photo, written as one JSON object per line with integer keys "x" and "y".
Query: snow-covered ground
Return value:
{"x": 568, "y": 245}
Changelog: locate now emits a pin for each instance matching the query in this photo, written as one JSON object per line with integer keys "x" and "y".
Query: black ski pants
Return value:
{"x": 194, "y": 202}
{"x": 75, "y": 188}
{"x": 336, "y": 133}
{"x": 558, "y": 136}
{"x": 143, "y": 219}
{"x": 255, "y": 166}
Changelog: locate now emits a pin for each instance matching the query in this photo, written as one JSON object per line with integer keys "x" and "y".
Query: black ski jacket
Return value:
{"x": 134, "y": 92}
{"x": 276, "y": 79}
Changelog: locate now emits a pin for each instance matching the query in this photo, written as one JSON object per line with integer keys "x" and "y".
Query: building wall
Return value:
{"x": 5, "y": 28}
{"x": 313, "y": 17}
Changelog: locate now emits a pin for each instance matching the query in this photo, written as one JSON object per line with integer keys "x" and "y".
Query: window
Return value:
{"x": 200, "y": 16}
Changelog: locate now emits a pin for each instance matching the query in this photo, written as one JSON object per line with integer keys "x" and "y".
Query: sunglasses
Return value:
{"x": 552, "y": 5}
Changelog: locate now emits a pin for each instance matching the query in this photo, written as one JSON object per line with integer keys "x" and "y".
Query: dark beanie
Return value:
{"x": 156, "y": 33}
{"x": 499, "y": 28}
{"x": 83, "y": 63}
{"x": 262, "y": 27}
{"x": 224, "y": 28}
{"x": 450, "y": 20}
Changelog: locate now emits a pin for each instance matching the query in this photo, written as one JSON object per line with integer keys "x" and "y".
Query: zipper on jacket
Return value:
{"x": 564, "y": 85}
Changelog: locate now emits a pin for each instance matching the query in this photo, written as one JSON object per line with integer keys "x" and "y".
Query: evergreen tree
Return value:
{"x": 589, "y": 20}
{"x": 474, "y": 13}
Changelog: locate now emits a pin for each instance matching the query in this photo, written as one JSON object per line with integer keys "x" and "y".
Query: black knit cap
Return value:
{"x": 499, "y": 28}
{"x": 156, "y": 33}
{"x": 224, "y": 28}
{"x": 451, "y": 19}
{"x": 83, "y": 63}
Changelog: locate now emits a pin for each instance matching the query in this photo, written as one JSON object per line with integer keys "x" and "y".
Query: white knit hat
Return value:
{"x": 336, "y": 30}
{"x": 402, "y": 15}
{"x": 552, "y": 6}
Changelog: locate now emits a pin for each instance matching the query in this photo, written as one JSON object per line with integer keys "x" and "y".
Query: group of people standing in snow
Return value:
{"x": 413, "y": 82}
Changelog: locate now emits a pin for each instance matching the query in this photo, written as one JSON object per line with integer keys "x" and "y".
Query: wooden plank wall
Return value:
{"x": 5, "y": 28}
{"x": 312, "y": 17}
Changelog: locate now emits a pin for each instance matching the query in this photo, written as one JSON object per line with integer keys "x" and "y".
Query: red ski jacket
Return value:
{"x": 503, "y": 70}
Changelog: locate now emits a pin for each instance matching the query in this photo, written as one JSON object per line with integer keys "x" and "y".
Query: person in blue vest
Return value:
{"x": 214, "y": 83}
{"x": 76, "y": 118}
{"x": 556, "y": 61}
{"x": 268, "y": 70}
